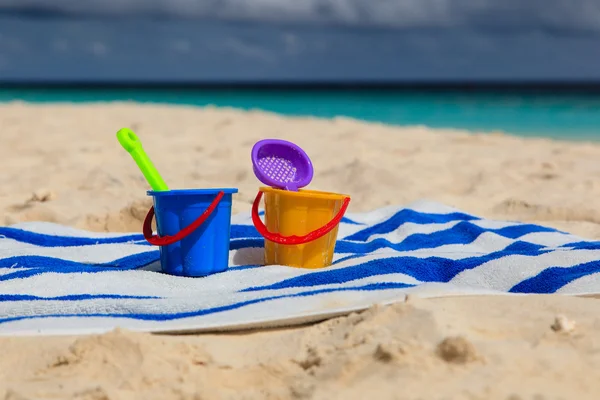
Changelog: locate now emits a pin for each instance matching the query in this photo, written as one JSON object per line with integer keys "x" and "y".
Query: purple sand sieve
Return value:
{"x": 281, "y": 164}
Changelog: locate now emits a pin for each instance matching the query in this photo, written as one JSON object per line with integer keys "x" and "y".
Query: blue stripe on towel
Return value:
{"x": 73, "y": 297}
{"x": 553, "y": 278}
{"x": 346, "y": 220}
{"x": 246, "y": 243}
{"x": 27, "y": 266}
{"x": 40, "y": 239}
{"x": 461, "y": 233}
{"x": 244, "y": 231}
{"x": 583, "y": 245}
{"x": 208, "y": 311}
{"x": 405, "y": 216}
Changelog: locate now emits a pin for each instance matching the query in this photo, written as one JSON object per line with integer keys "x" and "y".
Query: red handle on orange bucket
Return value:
{"x": 167, "y": 240}
{"x": 293, "y": 239}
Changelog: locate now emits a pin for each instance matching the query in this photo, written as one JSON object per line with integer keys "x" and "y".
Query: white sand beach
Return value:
{"x": 62, "y": 163}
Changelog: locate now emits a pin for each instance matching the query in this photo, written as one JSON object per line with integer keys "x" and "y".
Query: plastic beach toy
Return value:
{"x": 193, "y": 230}
{"x": 281, "y": 164}
{"x": 193, "y": 224}
{"x": 133, "y": 146}
{"x": 300, "y": 228}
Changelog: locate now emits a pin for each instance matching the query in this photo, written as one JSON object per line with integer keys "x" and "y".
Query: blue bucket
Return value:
{"x": 193, "y": 230}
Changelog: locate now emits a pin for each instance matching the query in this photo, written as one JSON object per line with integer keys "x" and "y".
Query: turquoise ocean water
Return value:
{"x": 569, "y": 116}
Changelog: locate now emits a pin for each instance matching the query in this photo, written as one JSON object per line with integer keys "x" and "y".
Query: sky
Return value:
{"x": 292, "y": 40}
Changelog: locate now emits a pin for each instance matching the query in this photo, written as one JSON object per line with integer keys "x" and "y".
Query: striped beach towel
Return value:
{"x": 59, "y": 280}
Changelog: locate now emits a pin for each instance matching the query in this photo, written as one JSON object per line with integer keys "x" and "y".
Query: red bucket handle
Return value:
{"x": 293, "y": 239}
{"x": 167, "y": 240}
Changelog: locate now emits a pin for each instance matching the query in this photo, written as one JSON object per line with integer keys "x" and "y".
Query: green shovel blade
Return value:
{"x": 133, "y": 146}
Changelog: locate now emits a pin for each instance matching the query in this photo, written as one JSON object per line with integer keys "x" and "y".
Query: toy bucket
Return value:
{"x": 193, "y": 230}
{"x": 301, "y": 227}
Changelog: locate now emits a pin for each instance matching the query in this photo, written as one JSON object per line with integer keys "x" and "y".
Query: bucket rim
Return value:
{"x": 314, "y": 194}
{"x": 175, "y": 192}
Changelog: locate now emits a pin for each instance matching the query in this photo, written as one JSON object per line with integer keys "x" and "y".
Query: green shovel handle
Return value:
{"x": 133, "y": 146}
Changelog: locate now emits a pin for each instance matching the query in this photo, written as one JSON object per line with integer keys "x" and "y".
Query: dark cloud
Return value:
{"x": 55, "y": 49}
{"x": 521, "y": 15}
{"x": 423, "y": 40}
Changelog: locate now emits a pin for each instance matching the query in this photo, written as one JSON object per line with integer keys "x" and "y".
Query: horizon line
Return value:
{"x": 482, "y": 85}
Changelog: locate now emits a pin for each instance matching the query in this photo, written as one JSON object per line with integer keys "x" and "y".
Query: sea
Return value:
{"x": 564, "y": 116}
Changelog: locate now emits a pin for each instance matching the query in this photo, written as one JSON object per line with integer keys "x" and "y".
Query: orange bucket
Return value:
{"x": 300, "y": 228}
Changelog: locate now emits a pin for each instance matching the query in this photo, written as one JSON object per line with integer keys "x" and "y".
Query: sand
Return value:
{"x": 62, "y": 163}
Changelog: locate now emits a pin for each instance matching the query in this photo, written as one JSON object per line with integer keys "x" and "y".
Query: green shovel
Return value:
{"x": 133, "y": 146}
